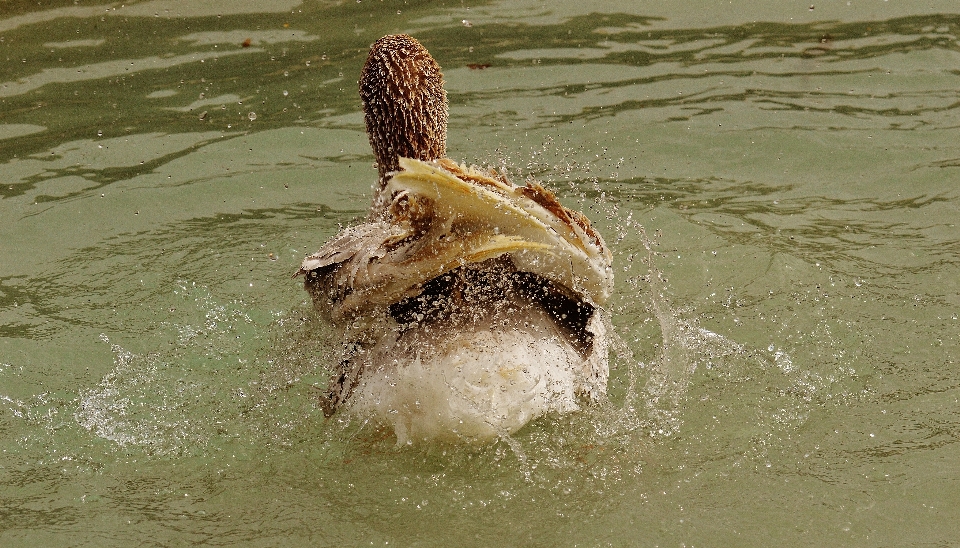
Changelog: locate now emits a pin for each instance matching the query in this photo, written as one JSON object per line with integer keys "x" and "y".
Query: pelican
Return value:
{"x": 469, "y": 305}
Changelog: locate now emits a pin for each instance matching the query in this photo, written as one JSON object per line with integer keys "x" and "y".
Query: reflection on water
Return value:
{"x": 779, "y": 196}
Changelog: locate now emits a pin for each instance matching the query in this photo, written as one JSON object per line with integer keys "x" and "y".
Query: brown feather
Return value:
{"x": 404, "y": 103}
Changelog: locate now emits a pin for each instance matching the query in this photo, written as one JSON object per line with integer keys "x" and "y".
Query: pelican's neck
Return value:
{"x": 404, "y": 104}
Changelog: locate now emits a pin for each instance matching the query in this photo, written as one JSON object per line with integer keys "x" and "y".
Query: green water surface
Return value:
{"x": 779, "y": 182}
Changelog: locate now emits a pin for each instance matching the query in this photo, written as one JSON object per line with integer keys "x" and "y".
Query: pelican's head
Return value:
{"x": 404, "y": 103}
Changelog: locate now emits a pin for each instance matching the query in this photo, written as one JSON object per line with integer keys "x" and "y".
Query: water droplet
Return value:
{"x": 285, "y": 93}
{"x": 252, "y": 116}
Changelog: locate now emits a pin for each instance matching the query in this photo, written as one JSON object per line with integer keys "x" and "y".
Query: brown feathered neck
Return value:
{"x": 404, "y": 103}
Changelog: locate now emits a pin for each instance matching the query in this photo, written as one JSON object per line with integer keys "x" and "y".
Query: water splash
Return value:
{"x": 132, "y": 406}
{"x": 198, "y": 394}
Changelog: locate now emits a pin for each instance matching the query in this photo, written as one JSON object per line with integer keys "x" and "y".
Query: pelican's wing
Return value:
{"x": 385, "y": 281}
{"x": 349, "y": 243}
{"x": 578, "y": 257}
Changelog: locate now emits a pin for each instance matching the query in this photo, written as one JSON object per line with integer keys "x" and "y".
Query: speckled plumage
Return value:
{"x": 404, "y": 103}
{"x": 469, "y": 305}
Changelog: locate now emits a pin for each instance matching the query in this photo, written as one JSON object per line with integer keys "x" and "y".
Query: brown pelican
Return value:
{"x": 470, "y": 305}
